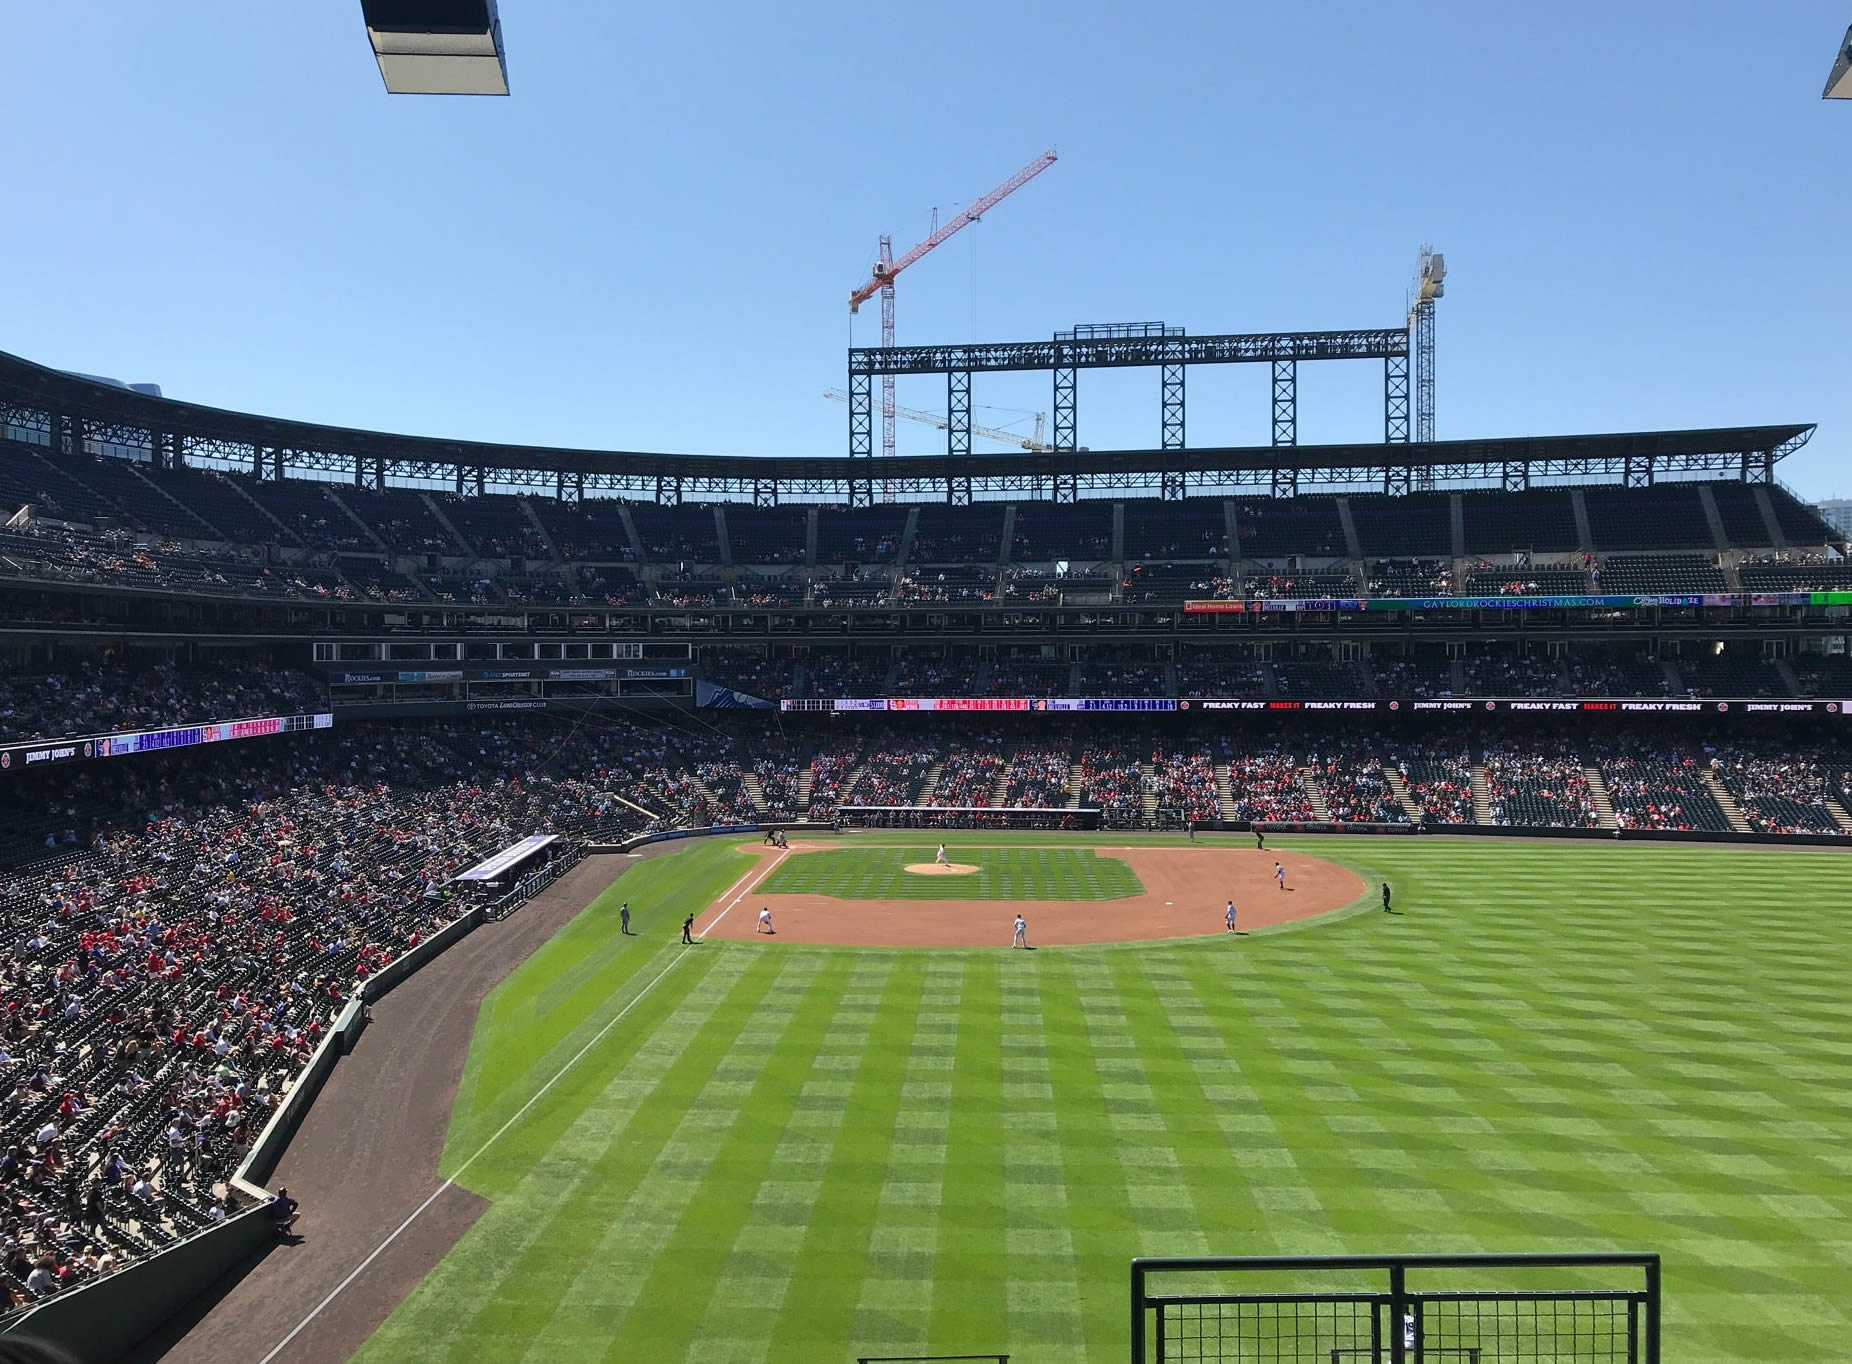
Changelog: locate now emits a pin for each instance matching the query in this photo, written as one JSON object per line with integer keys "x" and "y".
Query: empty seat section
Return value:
{"x": 1795, "y": 572}
{"x": 1175, "y": 582}
{"x": 673, "y": 534}
{"x": 1669, "y": 517}
{"x": 959, "y": 535}
{"x": 1801, "y": 524}
{"x": 1514, "y": 580}
{"x": 1731, "y": 675}
{"x": 59, "y": 492}
{"x": 1046, "y": 532}
{"x": 1542, "y": 519}
{"x": 1418, "y": 525}
{"x": 1677, "y": 573}
{"x": 1742, "y": 519}
{"x": 590, "y": 532}
{"x": 495, "y": 526}
{"x": 215, "y": 498}
{"x": 1219, "y": 672}
{"x": 1279, "y": 527}
{"x": 400, "y": 518}
{"x": 305, "y": 508}
{"x": 1411, "y": 578}
{"x": 1195, "y": 528}
{"x": 117, "y": 482}
{"x": 767, "y": 535}
{"x": 869, "y": 535}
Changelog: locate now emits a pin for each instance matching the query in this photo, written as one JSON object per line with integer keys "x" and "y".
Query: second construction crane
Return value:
{"x": 881, "y": 279}
{"x": 924, "y": 418}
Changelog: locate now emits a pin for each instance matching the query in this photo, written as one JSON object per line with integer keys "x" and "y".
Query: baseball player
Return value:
{"x": 1022, "y": 933}
{"x": 765, "y": 920}
{"x": 623, "y": 918}
{"x": 1229, "y": 917}
{"x": 1279, "y": 874}
{"x": 1385, "y": 897}
{"x": 941, "y": 858}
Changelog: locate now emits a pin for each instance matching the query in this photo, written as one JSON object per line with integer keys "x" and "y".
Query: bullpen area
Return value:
{"x": 782, "y": 1150}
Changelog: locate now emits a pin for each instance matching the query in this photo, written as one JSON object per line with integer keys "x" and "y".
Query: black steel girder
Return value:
{"x": 1285, "y": 402}
{"x": 55, "y": 412}
{"x": 1131, "y": 352}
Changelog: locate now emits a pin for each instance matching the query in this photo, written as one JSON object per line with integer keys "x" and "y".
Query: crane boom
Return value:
{"x": 884, "y": 273}
{"x": 933, "y": 419}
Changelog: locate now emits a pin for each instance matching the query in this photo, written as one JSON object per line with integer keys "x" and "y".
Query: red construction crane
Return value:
{"x": 881, "y": 280}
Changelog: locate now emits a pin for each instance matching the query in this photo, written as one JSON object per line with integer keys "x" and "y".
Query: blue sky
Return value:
{"x": 1644, "y": 209}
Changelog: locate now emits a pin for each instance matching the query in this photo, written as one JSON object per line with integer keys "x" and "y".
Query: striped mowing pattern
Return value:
{"x": 880, "y": 873}
{"x": 791, "y": 1153}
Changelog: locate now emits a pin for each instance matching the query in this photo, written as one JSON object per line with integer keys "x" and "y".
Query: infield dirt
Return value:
{"x": 1186, "y": 892}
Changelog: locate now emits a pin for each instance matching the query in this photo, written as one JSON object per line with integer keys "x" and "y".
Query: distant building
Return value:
{"x": 1837, "y": 513}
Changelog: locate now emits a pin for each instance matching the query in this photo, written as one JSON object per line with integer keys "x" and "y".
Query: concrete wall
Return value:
{"x": 106, "y": 1318}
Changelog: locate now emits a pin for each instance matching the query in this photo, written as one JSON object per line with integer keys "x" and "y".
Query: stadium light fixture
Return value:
{"x": 1839, "y": 84}
{"x": 437, "y": 47}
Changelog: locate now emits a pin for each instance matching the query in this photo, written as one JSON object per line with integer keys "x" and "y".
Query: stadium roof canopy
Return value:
{"x": 69, "y": 412}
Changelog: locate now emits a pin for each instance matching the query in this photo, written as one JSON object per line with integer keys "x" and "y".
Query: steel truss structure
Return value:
{"x": 1142, "y": 345}
{"x": 71, "y": 416}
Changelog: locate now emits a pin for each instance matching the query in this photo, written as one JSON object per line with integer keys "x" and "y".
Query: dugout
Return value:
{"x": 965, "y": 817}
{"x": 511, "y": 866}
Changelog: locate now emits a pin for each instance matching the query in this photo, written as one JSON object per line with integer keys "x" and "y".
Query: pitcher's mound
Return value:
{"x": 941, "y": 868}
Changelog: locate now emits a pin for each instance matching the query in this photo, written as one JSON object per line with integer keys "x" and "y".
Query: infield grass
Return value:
{"x": 1003, "y": 873}
{"x": 805, "y": 1154}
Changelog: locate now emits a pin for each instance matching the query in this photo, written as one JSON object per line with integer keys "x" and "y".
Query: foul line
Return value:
{"x": 754, "y": 876}
{"x": 757, "y": 875}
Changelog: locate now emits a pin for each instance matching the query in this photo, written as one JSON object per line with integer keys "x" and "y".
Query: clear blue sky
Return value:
{"x": 1645, "y": 210}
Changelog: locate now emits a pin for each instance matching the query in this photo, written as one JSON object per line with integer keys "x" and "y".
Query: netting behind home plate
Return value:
{"x": 1452, "y": 1309}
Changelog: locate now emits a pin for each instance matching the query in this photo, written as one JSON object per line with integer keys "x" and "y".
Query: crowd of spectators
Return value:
{"x": 1439, "y": 779}
{"x": 777, "y": 774}
{"x": 830, "y": 768}
{"x": 1265, "y": 584}
{"x": 1781, "y": 790}
{"x": 971, "y": 584}
{"x": 1265, "y": 786}
{"x": 1659, "y": 785}
{"x": 969, "y": 774}
{"x": 109, "y": 697}
{"x": 1183, "y": 779}
{"x": 1538, "y": 781}
{"x": 1037, "y": 776}
{"x": 1112, "y": 782}
{"x": 1350, "y": 774}
{"x": 161, "y": 986}
{"x": 894, "y": 773}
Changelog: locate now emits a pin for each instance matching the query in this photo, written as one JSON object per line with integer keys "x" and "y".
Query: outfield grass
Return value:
{"x": 787, "y": 1153}
{"x": 1003, "y": 873}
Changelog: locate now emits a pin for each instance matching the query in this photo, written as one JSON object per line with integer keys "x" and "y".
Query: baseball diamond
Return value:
{"x": 794, "y": 1151}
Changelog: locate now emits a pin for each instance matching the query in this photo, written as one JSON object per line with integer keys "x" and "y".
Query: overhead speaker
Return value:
{"x": 437, "y": 47}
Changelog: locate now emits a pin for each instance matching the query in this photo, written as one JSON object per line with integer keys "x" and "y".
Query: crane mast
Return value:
{"x": 887, "y": 268}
